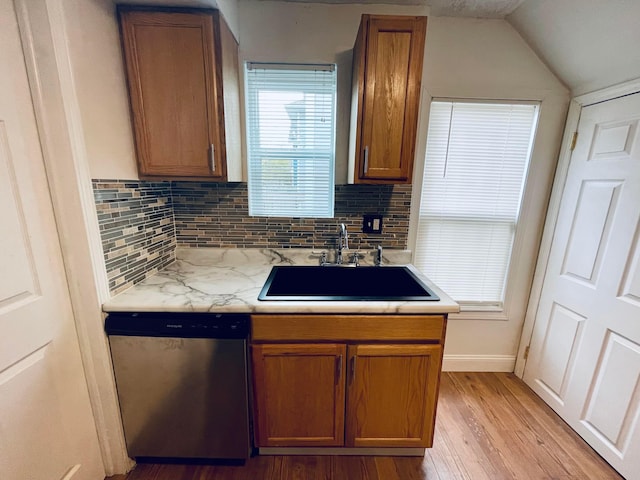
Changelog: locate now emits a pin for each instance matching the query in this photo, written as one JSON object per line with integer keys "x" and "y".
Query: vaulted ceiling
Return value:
{"x": 473, "y": 8}
{"x": 588, "y": 44}
{"x": 445, "y": 8}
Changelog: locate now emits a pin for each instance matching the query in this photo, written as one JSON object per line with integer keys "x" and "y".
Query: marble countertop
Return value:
{"x": 230, "y": 279}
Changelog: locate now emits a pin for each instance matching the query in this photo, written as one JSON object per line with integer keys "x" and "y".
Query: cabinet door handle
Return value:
{"x": 338, "y": 368}
{"x": 366, "y": 159}
{"x": 352, "y": 368}
{"x": 212, "y": 158}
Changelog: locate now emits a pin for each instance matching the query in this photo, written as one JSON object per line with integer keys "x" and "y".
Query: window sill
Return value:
{"x": 495, "y": 315}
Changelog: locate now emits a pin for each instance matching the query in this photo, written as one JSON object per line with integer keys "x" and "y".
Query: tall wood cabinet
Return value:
{"x": 387, "y": 72}
{"x": 346, "y": 380}
{"x": 182, "y": 72}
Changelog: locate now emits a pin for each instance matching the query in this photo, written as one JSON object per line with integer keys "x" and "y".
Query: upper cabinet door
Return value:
{"x": 388, "y": 58}
{"x": 174, "y": 70}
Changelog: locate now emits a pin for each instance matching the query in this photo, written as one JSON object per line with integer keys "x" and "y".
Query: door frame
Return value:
{"x": 45, "y": 47}
{"x": 562, "y": 169}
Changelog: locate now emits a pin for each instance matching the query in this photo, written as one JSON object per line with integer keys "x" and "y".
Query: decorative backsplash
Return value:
{"x": 142, "y": 222}
{"x": 137, "y": 229}
{"x": 217, "y": 215}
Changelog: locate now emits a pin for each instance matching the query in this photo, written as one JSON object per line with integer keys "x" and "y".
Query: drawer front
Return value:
{"x": 280, "y": 328}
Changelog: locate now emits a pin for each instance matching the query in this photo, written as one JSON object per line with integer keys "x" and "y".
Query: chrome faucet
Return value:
{"x": 343, "y": 242}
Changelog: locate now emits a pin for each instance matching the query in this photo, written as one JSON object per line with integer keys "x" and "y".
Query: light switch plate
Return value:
{"x": 372, "y": 224}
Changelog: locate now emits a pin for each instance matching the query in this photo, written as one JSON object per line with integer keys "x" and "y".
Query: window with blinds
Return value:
{"x": 475, "y": 168}
{"x": 291, "y": 139}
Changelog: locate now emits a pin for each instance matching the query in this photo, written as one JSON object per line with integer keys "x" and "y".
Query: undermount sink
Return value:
{"x": 387, "y": 283}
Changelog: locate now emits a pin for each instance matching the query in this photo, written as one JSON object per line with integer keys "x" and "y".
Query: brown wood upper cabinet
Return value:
{"x": 182, "y": 72}
{"x": 387, "y": 71}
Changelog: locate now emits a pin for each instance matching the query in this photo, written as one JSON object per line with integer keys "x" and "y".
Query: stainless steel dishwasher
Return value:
{"x": 182, "y": 383}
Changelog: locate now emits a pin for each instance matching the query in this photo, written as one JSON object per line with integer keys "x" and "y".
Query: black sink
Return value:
{"x": 386, "y": 283}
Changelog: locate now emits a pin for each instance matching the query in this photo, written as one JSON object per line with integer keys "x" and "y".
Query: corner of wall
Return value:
{"x": 511, "y": 20}
{"x": 137, "y": 229}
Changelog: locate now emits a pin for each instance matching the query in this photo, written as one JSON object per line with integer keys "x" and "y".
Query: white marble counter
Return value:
{"x": 230, "y": 279}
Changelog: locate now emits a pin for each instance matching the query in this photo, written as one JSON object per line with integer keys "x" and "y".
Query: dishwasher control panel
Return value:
{"x": 179, "y": 325}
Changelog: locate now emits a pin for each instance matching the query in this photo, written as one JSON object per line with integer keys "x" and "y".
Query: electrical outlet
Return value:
{"x": 372, "y": 224}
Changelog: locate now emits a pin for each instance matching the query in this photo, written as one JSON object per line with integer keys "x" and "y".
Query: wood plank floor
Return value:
{"x": 490, "y": 426}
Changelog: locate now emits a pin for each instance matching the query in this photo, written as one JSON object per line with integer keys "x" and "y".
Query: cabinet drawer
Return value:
{"x": 275, "y": 328}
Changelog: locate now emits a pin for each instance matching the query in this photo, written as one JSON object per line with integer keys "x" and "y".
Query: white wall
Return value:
{"x": 229, "y": 9}
{"x": 98, "y": 69}
{"x": 588, "y": 44}
{"x": 471, "y": 57}
{"x": 474, "y": 58}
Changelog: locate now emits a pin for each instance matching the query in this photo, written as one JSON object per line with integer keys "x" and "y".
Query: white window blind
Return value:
{"x": 291, "y": 139}
{"x": 476, "y": 163}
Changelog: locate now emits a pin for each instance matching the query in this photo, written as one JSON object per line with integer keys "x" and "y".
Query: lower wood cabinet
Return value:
{"x": 299, "y": 392}
{"x": 347, "y": 393}
{"x": 392, "y": 395}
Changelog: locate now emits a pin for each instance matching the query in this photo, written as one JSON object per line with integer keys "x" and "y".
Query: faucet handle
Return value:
{"x": 377, "y": 256}
{"x": 355, "y": 258}
{"x": 321, "y": 255}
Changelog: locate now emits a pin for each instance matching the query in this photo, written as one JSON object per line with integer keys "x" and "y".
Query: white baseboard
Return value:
{"x": 478, "y": 363}
{"x": 71, "y": 472}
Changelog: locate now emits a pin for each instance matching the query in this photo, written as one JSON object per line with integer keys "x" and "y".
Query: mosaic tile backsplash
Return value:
{"x": 142, "y": 222}
{"x": 217, "y": 215}
{"x": 137, "y": 229}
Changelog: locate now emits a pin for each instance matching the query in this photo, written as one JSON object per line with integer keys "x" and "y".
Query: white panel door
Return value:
{"x": 47, "y": 430}
{"x": 584, "y": 359}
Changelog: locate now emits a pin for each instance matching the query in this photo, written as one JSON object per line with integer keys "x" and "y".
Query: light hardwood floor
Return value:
{"x": 490, "y": 426}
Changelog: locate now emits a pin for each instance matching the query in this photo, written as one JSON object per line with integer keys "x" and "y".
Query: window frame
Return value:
{"x": 274, "y": 151}
{"x": 516, "y": 282}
